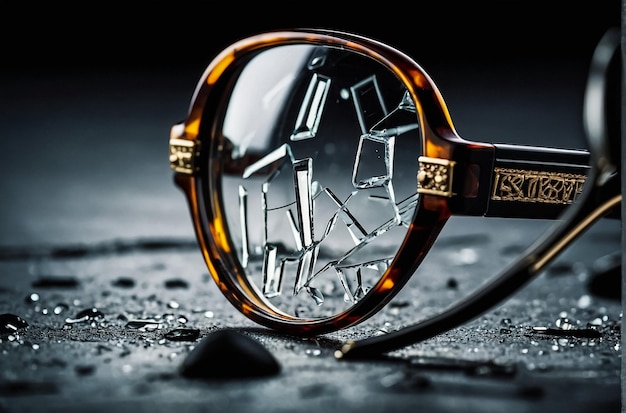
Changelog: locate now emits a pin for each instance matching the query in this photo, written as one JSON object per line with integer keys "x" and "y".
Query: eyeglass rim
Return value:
{"x": 198, "y": 187}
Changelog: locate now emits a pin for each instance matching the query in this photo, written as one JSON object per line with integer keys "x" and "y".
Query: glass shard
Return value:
{"x": 311, "y": 108}
{"x": 368, "y": 103}
{"x": 243, "y": 219}
{"x": 271, "y": 278}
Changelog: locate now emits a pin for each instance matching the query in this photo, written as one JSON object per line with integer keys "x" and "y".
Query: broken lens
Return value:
{"x": 321, "y": 145}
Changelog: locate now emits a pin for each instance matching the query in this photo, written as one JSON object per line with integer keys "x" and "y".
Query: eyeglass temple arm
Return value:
{"x": 595, "y": 202}
{"x": 535, "y": 182}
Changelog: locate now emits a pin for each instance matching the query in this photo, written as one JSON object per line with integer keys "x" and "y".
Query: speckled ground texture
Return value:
{"x": 90, "y": 219}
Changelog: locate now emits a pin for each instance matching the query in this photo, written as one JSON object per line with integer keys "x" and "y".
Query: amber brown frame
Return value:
{"x": 192, "y": 152}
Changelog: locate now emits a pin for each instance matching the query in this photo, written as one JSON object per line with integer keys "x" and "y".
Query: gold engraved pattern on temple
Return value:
{"x": 182, "y": 155}
{"x": 535, "y": 186}
{"x": 435, "y": 176}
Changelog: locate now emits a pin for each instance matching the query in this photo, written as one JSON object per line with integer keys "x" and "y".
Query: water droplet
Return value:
{"x": 145, "y": 325}
{"x": 183, "y": 334}
{"x": 90, "y": 315}
{"x": 32, "y": 298}
{"x": 173, "y": 304}
{"x": 209, "y": 314}
{"x": 61, "y": 307}
{"x": 564, "y": 323}
{"x": 584, "y": 301}
{"x": 313, "y": 352}
{"x": 11, "y": 323}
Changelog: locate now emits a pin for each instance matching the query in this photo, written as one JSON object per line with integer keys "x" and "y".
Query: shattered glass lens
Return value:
{"x": 322, "y": 146}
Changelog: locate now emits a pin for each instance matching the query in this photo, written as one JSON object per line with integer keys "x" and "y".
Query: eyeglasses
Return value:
{"x": 321, "y": 166}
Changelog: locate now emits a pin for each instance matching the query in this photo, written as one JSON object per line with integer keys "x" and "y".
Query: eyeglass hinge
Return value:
{"x": 435, "y": 176}
{"x": 182, "y": 155}
{"x": 183, "y": 152}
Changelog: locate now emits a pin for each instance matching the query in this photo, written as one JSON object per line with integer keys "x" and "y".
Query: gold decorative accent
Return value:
{"x": 523, "y": 185}
{"x": 183, "y": 155}
{"x": 435, "y": 176}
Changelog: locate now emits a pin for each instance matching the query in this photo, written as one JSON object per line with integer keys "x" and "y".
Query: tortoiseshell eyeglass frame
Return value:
{"x": 482, "y": 179}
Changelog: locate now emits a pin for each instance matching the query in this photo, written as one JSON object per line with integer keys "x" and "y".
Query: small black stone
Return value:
{"x": 227, "y": 354}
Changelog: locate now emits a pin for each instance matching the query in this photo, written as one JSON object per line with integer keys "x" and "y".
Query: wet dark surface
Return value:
{"x": 104, "y": 295}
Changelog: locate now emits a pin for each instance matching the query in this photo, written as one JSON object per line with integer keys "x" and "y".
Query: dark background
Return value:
{"x": 176, "y": 34}
{"x": 89, "y": 92}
